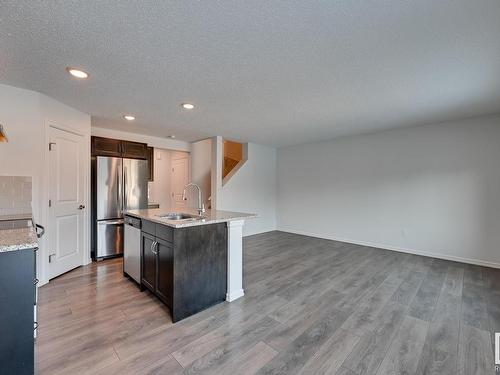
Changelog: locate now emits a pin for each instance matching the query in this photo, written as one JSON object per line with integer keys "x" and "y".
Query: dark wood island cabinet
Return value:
{"x": 186, "y": 268}
{"x": 190, "y": 260}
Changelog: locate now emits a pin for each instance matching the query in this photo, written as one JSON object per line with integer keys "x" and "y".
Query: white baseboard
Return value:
{"x": 477, "y": 262}
{"x": 261, "y": 231}
{"x": 235, "y": 295}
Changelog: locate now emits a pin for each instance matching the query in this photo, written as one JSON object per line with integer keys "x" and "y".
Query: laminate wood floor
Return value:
{"x": 311, "y": 306}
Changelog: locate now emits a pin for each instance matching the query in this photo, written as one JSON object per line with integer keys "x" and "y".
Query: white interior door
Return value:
{"x": 67, "y": 201}
{"x": 180, "y": 178}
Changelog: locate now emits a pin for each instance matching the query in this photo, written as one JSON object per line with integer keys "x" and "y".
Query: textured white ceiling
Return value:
{"x": 272, "y": 72}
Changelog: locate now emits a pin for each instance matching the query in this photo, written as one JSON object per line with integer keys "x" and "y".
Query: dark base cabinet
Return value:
{"x": 200, "y": 268}
{"x": 17, "y": 302}
{"x": 186, "y": 268}
{"x": 165, "y": 281}
{"x": 148, "y": 262}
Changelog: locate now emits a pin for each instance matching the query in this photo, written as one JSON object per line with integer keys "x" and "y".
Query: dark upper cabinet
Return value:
{"x": 149, "y": 262}
{"x": 106, "y": 147}
{"x": 134, "y": 150}
{"x": 165, "y": 285}
{"x": 151, "y": 163}
{"x": 158, "y": 266}
{"x": 118, "y": 148}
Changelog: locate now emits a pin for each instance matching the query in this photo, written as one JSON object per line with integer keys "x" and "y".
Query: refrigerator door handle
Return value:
{"x": 125, "y": 190}
{"x": 119, "y": 191}
{"x": 111, "y": 222}
{"x": 135, "y": 177}
{"x": 108, "y": 187}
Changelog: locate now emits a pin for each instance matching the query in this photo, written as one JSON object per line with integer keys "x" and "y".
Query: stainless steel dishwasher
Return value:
{"x": 132, "y": 248}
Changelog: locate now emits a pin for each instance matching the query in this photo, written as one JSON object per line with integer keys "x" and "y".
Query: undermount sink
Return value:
{"x": 180, "y": 216}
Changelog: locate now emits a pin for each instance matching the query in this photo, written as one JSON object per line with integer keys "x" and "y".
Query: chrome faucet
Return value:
{"x": 201, "y": 206}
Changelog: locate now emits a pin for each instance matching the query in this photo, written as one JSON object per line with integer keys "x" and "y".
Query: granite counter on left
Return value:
{"x": 18, "y": 239}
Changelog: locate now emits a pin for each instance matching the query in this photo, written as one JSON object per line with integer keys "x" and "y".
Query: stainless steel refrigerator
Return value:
{"x": 121, "y": 184}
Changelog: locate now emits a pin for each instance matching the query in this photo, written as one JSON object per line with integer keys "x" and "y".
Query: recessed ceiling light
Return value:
{"x": 77, "y": 73}
{"x": 129, "y": 117}
{"x": 171, "y": 136}
{"x": 187, "y": 105}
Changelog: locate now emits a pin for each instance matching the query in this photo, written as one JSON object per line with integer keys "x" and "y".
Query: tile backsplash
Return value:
{"x": 15, "y": 195}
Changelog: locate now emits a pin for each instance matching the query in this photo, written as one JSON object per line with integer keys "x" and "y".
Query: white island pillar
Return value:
{"x": 234, "y": 260}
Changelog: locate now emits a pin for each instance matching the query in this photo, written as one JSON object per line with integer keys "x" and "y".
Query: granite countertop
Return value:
{"x": 210, "y": 216}
{"x": 18, "y": 239}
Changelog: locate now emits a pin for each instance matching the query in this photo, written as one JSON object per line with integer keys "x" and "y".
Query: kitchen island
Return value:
{"x": 190, "y": 261}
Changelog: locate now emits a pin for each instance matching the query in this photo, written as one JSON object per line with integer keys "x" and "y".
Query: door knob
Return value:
{"x": 81, "y": 207}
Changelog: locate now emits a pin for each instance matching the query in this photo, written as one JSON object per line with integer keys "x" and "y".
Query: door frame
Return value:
{"x": 44, "y": 252}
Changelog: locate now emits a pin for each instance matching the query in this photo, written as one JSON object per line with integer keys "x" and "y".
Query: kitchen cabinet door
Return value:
{"x": 148, "y": 262}
{"x": 106, "y": 147}
{"x": 134, "y": 150}
{"x": 164, "y": 288}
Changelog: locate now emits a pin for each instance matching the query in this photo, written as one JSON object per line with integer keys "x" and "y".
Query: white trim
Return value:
{"x": 66, "y": 128}
{"x": 497, "y": 348}
{"x": 44, "y": 209}
{"x": 216, "y": 172}
{"x": 477, "y": 262}
{"x": 234, "y": 260}
{"x": 259, "y": 232}
{"x": 235, "y": 223}
{"x": 234, "y": 295}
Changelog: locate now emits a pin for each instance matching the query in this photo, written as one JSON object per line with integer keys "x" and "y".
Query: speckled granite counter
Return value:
{"x": 17, "y": 239}
{"x": 209, "y": 217}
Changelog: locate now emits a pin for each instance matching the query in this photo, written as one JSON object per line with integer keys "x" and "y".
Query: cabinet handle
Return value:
{"x": 156, "y": 248}
{"x": 153, "y": 247}
{"x": 35, "y": 281}
{"x": 35, "y": 326}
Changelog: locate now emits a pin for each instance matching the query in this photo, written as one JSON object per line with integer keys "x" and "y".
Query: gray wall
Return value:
{"x": 201, "y": 164}
{"x": 430, "y": 189}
